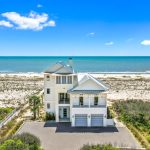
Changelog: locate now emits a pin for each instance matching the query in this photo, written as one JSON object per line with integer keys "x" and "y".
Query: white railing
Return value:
{"x": 91, "y": 106}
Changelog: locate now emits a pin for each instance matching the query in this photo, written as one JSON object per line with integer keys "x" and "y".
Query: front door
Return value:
{"x": 65, "y": 112}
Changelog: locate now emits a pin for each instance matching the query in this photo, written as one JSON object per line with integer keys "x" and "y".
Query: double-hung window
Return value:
{"x": 81, "y": 101}
{"x": 95, "y": 101}
{"x": 58, "y": 79}
{"x": 48, "y": 91}
{"x": 69, "y": 79}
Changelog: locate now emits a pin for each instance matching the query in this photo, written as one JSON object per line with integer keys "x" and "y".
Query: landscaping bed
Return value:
{"x": 136, "y": 115}
{"x": 4, "y": 112}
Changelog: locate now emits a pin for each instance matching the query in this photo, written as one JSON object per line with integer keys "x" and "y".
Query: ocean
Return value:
{"x": 99, "y": 64}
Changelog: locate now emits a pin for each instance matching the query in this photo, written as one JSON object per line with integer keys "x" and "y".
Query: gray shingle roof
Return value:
{"x": 60, "y": 68}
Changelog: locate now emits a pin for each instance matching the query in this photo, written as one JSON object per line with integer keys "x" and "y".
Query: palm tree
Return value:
{"x": 34, "y": 102}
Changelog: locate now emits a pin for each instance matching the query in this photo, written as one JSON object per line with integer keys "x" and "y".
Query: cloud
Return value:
{"x": 6, "y": 24}
{"x": 33, "y": 21}
{"x": 145, "y": 42}
{"x": 109, "y": 43}
{"x": 91, "y": 34}
{"x": 39, "y": 6}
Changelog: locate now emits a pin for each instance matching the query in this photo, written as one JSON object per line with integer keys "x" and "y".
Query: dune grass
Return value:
{"x": 136, "y": 115}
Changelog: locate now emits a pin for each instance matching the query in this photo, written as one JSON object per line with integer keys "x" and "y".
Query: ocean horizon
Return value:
{"x": 95, "y": 64}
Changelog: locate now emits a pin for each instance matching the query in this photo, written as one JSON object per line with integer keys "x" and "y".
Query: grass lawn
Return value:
{"x": 136, "y": 115}
{"x": 4, "y": 112}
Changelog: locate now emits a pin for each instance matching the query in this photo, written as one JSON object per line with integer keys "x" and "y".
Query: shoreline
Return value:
{"x": 122, "y": 75}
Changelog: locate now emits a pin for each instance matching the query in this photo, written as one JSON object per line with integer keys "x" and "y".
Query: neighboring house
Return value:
{"x": 77, "y": 98}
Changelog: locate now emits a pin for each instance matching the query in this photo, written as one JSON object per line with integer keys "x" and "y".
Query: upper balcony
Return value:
{"x": 64, "y": 101}
{"x": 89, "y": 106}
{"x": 63, "y": 98}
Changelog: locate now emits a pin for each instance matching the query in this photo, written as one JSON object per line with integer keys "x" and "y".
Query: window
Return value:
{"x": 48, "y": 91}
{"x": 96, "y": 101}
{"x": 58, "y": 80}
{"x": 81, "y": 101}
{"x": 48, "y": 77}
{"x": 63, "y": 79}
{"x": 48, "y": 105}
{"x": 69, "y": 79}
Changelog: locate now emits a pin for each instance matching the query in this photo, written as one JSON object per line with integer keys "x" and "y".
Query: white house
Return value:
{"x": 73, "y": 97}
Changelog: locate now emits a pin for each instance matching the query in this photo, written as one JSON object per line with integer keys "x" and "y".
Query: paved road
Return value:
{"x": 63, "y": 137}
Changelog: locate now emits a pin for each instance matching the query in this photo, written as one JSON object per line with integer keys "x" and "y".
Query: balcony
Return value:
{"x": 64, "y": 101}
{"x": 80, "y": 106}
{"x": 87, "y": 106}
{"x": 98, "y": 106}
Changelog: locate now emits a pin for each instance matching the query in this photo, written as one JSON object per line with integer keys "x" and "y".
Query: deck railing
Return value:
{"x": 64, "y": 101}
{"x": 89, "y": 106}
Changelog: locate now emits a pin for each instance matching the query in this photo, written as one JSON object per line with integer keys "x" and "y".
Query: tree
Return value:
{"x": 34, "y": 102}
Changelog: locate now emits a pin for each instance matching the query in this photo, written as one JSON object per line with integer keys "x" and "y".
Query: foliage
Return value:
{"x": 24, "y": 141}
{"x": 5, "y": 111}
{"x": 28, "y": 138}
{"x": 99, "y": 147}
{"x": 110, "y": 114}
{"x": 10, "y": 128}
{"x": 13, "y": 145}
{"x": 136, "y": 115}
{"x": 35, "y": 103}
{"x": 50, "y": 116}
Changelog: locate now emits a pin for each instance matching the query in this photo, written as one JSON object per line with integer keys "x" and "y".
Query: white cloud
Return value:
{"x": 91, "y": 34}
{"x": 145, "y": 42}
{"x": 109, "y": 43}
{"x": 39, "y": 6}
{"x": 6, "y": 24}
{"x": 32, "y": 21}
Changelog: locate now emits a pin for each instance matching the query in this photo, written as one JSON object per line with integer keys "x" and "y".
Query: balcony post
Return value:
{"x": 89, "y": 98}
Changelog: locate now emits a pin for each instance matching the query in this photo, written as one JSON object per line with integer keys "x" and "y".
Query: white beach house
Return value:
{"x": 74, "y": 97}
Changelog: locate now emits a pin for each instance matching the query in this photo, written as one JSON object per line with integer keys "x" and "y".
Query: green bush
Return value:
{"x": 50, "y": 116}
{"x": 24, "y": 141}
{"x": 99, "y": 147}
{"x": 28, "y": 138}
{"x": 5, "y": 111}
{"x": 136, "y": 115}
{"x": 13, "y": 145}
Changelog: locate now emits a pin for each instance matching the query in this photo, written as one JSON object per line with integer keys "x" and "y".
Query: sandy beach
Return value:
{"x": 15, "y": 88}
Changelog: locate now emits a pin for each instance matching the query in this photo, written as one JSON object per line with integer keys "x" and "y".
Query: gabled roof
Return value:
{"x": 60, "y": 68}
{"x": 88, "y": 84}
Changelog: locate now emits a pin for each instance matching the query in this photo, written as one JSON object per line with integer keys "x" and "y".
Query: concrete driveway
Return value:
{"x": 61, "y": 136}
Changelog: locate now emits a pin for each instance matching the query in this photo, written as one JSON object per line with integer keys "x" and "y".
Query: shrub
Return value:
{"x": 24, "y": 141}
{"x": 99, "y": 147}
{"x": 50, "y": 116}
{"x": 28, "y": 138}
{"x": 13, "y": 145}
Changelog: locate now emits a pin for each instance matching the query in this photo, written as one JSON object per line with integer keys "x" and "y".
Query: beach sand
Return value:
{"x": 15, "y": 88}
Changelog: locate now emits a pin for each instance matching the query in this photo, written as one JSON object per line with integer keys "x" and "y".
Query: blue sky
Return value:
{"x": 74, "y": 27}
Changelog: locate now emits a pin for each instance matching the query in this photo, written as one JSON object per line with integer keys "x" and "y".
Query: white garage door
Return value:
{"x": 80, "y": 120}
{"x": 96, "y": 120}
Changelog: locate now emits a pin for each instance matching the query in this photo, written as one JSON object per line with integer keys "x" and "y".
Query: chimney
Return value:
{"x": 70, "y": 62}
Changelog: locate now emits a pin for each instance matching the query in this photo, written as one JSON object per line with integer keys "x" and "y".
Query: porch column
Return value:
{"x": 57, "y": 114}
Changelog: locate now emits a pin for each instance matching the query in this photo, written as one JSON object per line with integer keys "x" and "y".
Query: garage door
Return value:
{"x": 96, "y": 120}
{"x": 80, "y": 120}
